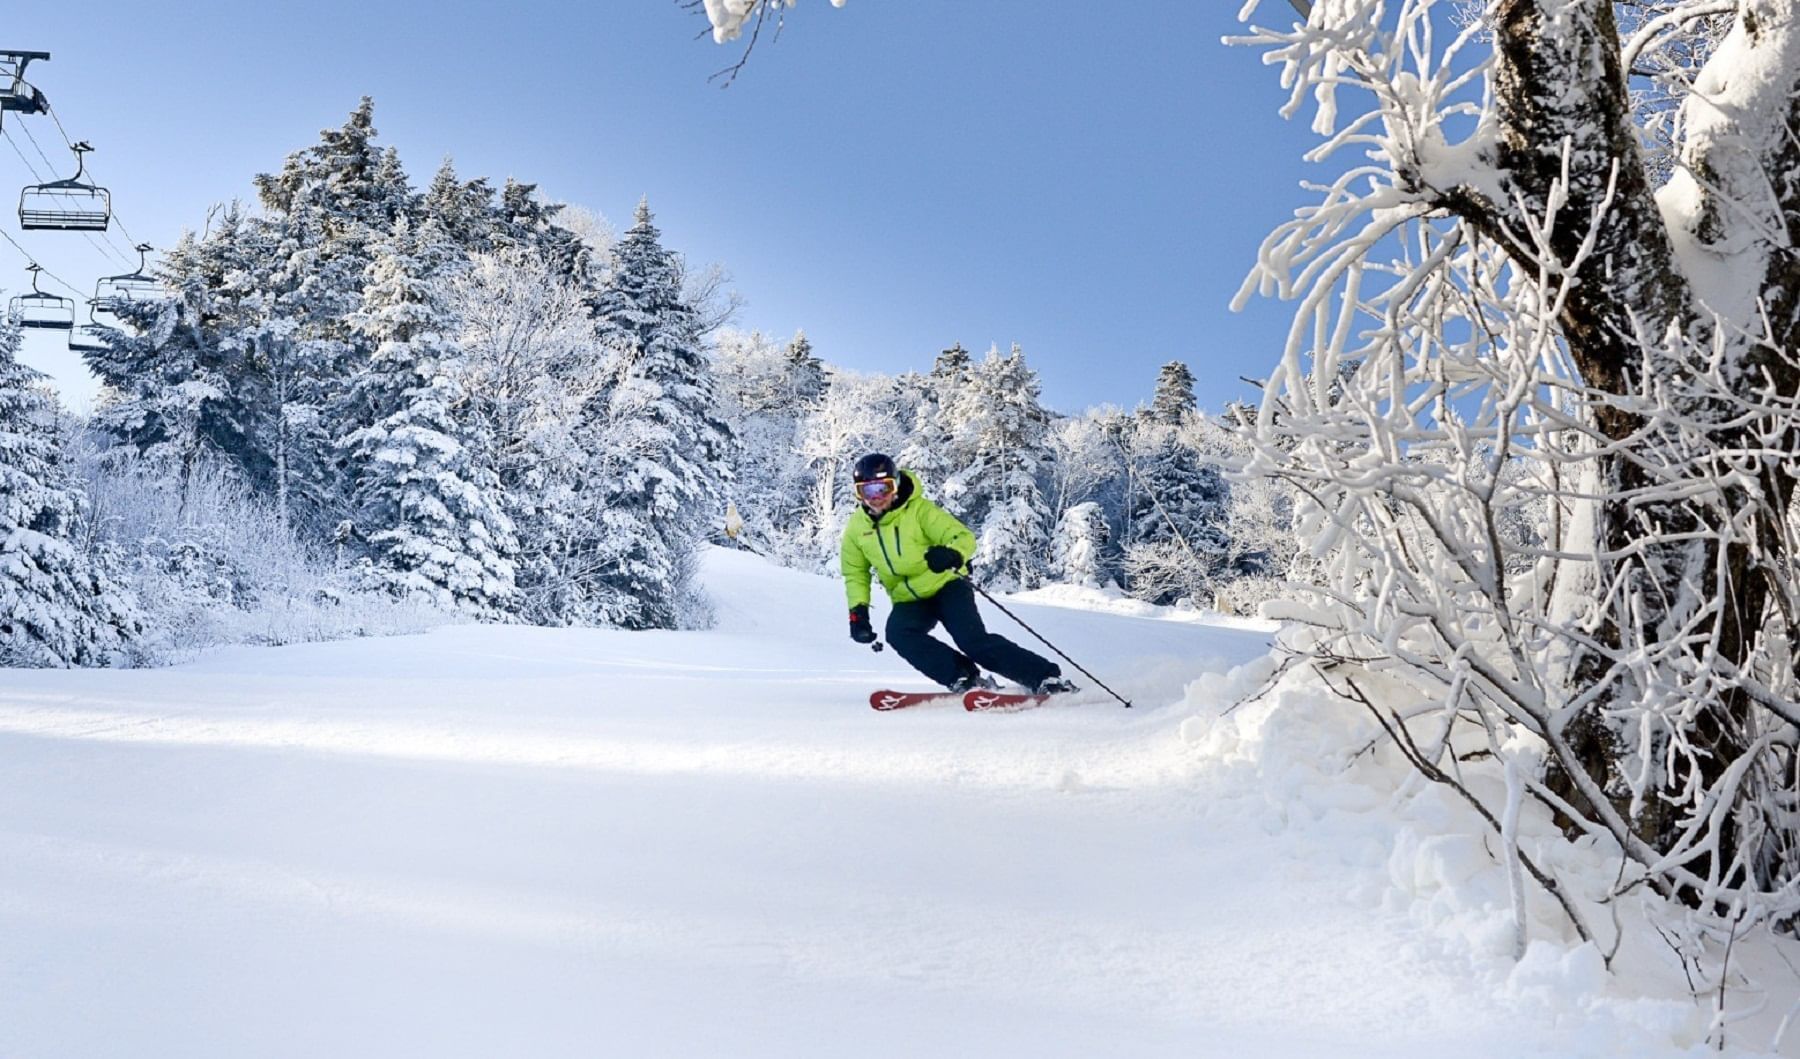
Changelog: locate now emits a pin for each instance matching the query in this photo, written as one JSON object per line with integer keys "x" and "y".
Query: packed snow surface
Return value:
{"x": 557, "y": 842}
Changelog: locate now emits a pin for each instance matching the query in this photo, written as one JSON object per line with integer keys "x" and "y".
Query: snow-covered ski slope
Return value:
{"x": 492, "y": 841}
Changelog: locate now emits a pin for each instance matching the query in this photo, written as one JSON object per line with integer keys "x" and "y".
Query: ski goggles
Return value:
{"x": 876, "y": 488}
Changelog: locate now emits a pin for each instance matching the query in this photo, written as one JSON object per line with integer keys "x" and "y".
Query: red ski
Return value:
{"x": 900, "y": 700}
{"x": 982, "y": 699}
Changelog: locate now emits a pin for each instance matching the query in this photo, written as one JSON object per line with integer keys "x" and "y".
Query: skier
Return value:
{"x": 921, "y": 554}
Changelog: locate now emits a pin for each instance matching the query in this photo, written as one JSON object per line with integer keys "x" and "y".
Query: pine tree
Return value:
{"x": 465, "y": 211}
{"x": 997, "y": 447}
{"x": 1174, "y": 398}
{"x": 426, "y": 513}
{"x": 806, "y": 372}
{"x": 661, "y": 459}
{"x": 524, "y": 220}
{"x": 330, "y": 207}
{"x": 179, "y": 386}
{"x": 56, "y": 608}
{"x": 1078, "y": 549}
{"x": 928, "y": 448}
{"x": 1176, "y": 516}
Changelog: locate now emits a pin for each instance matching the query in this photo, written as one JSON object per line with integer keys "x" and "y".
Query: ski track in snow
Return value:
{"x": 505, "y": 841}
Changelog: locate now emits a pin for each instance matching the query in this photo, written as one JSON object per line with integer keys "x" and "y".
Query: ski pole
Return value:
{"x": 1046, "y": 643}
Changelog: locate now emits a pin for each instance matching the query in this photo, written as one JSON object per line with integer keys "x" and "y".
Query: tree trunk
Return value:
{"x": 1566, "y": 126}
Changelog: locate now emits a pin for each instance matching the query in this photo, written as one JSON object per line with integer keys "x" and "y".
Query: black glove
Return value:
{"x": 940, "y": 558}
{"x": 860, "y": 629}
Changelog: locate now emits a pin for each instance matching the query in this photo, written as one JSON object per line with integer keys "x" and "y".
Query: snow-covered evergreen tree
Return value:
{"x": 529, "y": 367}
{"x": 174, "y": 383}
{"x": 56, "y": 607}
{"x": 998, "y": 449}
{"x": 1175, "y": 541}
{"x": 1174, "y": 399}
{"x": 330, "y": 207}
{"x": 662, "y": 473}
{"x": 806, "y": 372}
{"x": 424, "y": 510}
{"x": 929, "y": 445}
{"x": 765, "y": 392}
{"x": 1078, "y": 550}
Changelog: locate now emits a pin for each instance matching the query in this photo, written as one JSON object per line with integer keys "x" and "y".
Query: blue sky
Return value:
{"x": 890, "y": 176}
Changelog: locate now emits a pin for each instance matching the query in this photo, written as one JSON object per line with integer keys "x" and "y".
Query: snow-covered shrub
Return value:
{"x": 214, "y": 564}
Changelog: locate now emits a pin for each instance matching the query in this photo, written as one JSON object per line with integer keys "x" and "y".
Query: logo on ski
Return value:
{"x": 900, "y": 700}
{"x": 982, "y": 699}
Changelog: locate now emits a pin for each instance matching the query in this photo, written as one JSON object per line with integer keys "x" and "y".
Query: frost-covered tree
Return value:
{"x": 175, "y": 382}
{"x": 1085, "y": 464}
{"x": 56, "y": 607}
{"x": 1260, "y": 548}
{"x": 929, "y": 447}
{"x": 528, "y": 368}
{"x": 1521, "y": 280}
{"x": 1078, "y": 549}
{"x": 766, "y": 390}
{"x": 427, "y": 513}
{"x": 663, "y": 468}
{"x": 857, "y": 414}
{"x": 805, "y": 372}
{"x": 1174, "y": 399}
{"x": 1175, "y": 541}
{"x": 997, "y": 451}
{"x": 327, "y": 210}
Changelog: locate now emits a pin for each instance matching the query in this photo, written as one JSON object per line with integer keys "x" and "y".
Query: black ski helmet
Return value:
{"x": 874, "y": 465}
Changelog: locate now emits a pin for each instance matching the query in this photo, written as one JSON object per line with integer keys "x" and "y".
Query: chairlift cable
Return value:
{"x": 48, "y": 109}
{"x": 26, "y": 254}
{"x": 14, "y": 144}
{"x": 48, "y": 164}
{"x": 105, "y": 248}
{"x": 118, "y": 251}
{"x": 116, "y": 219}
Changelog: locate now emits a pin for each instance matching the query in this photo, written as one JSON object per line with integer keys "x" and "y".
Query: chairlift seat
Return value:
{"x": 65, "y": 206}
{"x": 42, "y": 312}
{"x": 114, "y": 291}
{"x": 87, "y": 339}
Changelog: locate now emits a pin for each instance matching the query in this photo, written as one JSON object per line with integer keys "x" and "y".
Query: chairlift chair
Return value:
{"x": 70, "y": 205}
{"x": 39, "y": 310}
{"x": 88, "y": 339}
{"x": 114, "y": 291}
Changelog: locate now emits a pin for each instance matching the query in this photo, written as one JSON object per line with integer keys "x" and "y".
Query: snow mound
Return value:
{"x": 1306, "y": 762}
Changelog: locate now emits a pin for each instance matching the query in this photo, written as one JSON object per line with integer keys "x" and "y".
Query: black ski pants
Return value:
{"x": 909, "y": 628}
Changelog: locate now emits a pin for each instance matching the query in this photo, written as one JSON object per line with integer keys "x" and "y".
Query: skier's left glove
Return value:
{"x": 860, "y": 629}
{"x": 939, "y": 558}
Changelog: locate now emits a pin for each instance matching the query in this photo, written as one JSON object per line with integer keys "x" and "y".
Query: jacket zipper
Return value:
{"x": 879, "y": 539}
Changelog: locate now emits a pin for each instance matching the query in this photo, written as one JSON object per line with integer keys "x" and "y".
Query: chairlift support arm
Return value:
{"x": 17, "y": 94}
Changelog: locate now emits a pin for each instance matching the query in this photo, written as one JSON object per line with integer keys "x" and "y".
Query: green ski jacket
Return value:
{"x": 893, "y": 546}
